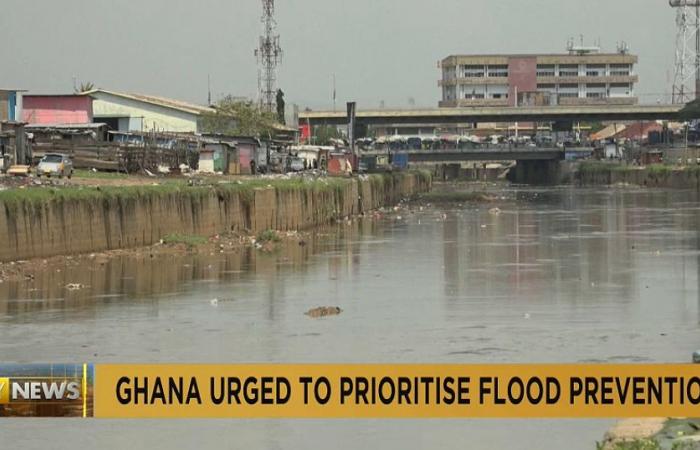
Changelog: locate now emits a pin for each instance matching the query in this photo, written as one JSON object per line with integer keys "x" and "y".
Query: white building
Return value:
{"x": 136, "y": 112}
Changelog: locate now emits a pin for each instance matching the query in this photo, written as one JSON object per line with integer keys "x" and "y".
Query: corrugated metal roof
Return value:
{"x": 158, "y": 101}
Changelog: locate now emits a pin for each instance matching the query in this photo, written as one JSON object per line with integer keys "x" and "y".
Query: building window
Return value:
{"x": 623, "y": 70}
{"x": 474, "y": 71}
{"x": 595, "y": 70}
{"x": 568, "y": 70}
{"x": 546, "y": 87}
{"x": 474, "y": 96}
{"x": 497, "y": 71}
{"x": 545, "y": 70}
{"x": 568, "y": 95}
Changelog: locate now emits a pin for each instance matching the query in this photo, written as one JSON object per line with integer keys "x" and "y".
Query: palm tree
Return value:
{"x": 85, "y": 87}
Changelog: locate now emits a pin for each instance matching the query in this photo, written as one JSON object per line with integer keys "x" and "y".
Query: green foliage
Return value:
{"x": 280, "y": 106}
{"x": 190, "y": 241}
{"x": 596, "y": 126}
{"x": 456, "y": 197}
{"x": 691, "y": 111}
{"x": 268, "y": 236}
{"x": 85, "y": 87}
{"x": 684, "y": 445}
{"x": 637, "y": 444}
{"x": 659, "y": 170}
{"x": 239, "y": 118}
{"x": 323, "y": 134}
{"x": 89, "y": 174}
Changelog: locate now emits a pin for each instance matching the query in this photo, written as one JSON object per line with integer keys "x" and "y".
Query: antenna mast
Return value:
{"x": 687, "y": 62}
{"x": 269, "y": 55}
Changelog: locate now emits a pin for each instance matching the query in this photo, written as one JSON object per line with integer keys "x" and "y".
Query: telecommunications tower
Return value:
{"x": 269, "y": 55}
{"x": 687, "y": 65}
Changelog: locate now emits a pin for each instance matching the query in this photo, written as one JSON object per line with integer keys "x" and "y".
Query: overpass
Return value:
{"x": 442, "y": 116}
{"x": 484, "y": 154}
{"x": 535, "y": 165}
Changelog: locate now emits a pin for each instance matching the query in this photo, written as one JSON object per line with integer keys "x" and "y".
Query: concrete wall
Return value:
{"x": 150, "y": 116}
{"x": 141, "y": 218}
{"x": 649, "y": 177}
{"x": 536, "y": 172}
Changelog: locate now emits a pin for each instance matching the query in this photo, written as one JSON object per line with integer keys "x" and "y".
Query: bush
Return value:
{"x": 268, "y": 236}
{"x": 187, "y": 240}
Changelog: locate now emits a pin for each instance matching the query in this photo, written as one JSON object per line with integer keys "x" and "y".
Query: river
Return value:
{"x": 559, "y": 275}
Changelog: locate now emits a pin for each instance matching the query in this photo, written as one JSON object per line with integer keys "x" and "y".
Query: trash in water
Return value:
{"x": 75, "y": 286}
{"x": 214, "y": 302}
{"x": 324, "y": 312}
{"x": 495, "y": 211}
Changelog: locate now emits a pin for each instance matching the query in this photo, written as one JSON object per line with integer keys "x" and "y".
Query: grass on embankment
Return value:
{"x": 602, "y": 167}
{"x": 91, "y": 175}
{"x": 188, "y": 240}
{"x": 455, "y": 197}
{"x": 37, "y": 196}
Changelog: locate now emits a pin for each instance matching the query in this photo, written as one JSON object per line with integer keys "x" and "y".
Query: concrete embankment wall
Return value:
{"x": 654, "y": 176}
{"x": 91, "y": 220}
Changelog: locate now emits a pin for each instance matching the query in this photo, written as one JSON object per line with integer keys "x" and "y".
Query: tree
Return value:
{"x": 85, "y": 87}
{"x": 691, "y": 111}
{"x": 323, "y": 134}
{"x": 280, "y": 106}
{"x": 238, "y": 118}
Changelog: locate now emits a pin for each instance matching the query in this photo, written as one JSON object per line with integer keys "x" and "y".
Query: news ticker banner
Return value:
{"x": 349, "y": 391}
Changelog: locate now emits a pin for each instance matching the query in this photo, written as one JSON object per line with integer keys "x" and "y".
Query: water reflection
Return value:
{"x": 560, "y": 275}
{"x": 144, "y": 276}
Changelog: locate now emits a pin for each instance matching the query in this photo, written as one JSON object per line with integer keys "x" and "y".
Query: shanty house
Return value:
{"x": 10, "y": 105}
{"x": 219, "y": 157}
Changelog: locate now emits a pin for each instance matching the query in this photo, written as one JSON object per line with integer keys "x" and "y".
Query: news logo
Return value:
{"x": 4, "y": 390}
{"x": 55, "y": 390}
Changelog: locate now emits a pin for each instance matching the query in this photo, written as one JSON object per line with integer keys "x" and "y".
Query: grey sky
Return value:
{"x": 378, "y": 49}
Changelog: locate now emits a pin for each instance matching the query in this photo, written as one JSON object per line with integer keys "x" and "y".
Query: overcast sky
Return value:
{"x": 379, "y": 49}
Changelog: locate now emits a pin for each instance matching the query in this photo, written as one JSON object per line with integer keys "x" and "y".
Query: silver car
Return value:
{"x": 55, "y": 164}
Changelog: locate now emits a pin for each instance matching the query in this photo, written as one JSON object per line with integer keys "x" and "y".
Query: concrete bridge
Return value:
{"x": 534, "y": 165}
{"x": 438, "y": 116}
{"x": 486, "y": 154}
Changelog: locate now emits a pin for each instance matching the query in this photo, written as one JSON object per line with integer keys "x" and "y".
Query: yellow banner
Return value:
{"x": 396, "y": 391}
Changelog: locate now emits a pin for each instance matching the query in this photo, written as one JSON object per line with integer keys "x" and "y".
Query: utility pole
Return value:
{"x": 334, "y": 94}
{"x": 269, "y": 55}
{"x": 208, "y": 90}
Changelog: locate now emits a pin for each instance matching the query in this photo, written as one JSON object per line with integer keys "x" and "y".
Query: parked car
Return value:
{"x": 295, "y": 164}
{"x": 55, "y": 164}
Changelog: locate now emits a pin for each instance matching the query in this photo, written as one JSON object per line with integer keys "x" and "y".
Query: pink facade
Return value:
{"x": 522, "y": 76}
{"x": 245, "y": 156}
{"x": 57, "y": 109}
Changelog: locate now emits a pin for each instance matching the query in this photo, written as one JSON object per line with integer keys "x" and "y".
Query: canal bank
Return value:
{"x": 44, "y": 222}
{"x": 596, "y": 173}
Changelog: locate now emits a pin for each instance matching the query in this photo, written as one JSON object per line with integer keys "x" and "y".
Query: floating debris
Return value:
{"x": 75, "y": 286}
{"x": 324, "y": 311}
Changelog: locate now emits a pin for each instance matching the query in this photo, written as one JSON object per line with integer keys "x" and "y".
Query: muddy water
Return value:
{"x": 560, "y": 275}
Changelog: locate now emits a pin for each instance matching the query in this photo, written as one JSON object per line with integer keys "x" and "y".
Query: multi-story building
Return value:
{"x": 583, "y": 76}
